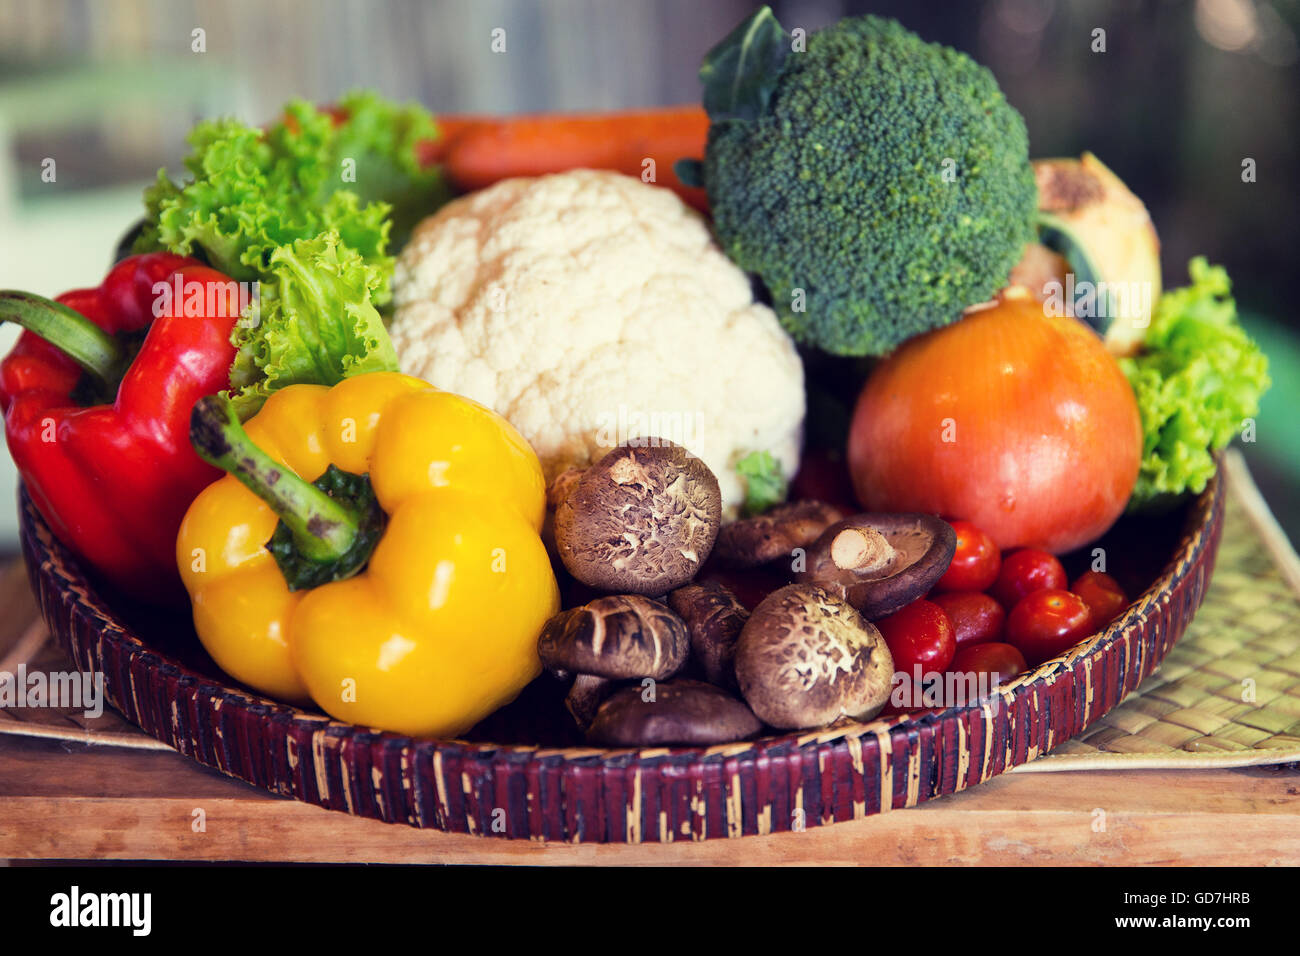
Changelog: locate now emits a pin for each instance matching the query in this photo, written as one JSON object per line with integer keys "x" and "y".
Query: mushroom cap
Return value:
{"x": 922, "y": 545}
{"x": 618, "y": 636}
{"x": 755, "y": 541}
{"x": 684, "y": 712}
{"x": 642, "y": 520}
{"x": 806, "y": 657}
{"x": 714, "y": 619}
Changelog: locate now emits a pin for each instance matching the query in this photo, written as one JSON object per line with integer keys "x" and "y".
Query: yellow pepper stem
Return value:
{"x": 328, "y": 528}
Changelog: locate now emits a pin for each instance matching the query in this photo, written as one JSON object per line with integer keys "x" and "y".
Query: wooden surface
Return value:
{"x": 63, "y": 800}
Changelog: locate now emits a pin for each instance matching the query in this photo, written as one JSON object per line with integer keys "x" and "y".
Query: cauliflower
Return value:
{"x": 591, "y": 309}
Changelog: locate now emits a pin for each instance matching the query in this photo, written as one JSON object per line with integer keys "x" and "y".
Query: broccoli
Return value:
{"x": 876, "y": 183}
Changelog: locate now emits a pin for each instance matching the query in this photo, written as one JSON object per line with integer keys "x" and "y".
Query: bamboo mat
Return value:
{"x": 1227, "y": 695}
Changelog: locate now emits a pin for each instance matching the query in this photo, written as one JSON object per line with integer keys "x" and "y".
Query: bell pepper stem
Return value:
{"x": 324, "y": 529}
{"x": 69, "y": 331}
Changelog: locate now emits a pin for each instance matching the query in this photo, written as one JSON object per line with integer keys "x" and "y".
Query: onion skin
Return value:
{"x": 1044, "y": 435}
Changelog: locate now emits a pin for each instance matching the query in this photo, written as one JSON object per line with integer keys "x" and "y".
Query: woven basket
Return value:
{"x": 157, "y": 677}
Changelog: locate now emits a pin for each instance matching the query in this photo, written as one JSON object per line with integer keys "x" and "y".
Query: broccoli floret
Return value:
{"x": 880, "y": 185}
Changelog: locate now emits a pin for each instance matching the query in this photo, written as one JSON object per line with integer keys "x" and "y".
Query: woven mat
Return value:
{"x": 1227, "y": 695}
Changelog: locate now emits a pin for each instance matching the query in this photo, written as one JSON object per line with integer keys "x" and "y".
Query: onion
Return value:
{"x": 1014, "y": 420}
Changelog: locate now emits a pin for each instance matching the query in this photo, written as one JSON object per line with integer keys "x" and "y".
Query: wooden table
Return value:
{"x": 62, "y": 800}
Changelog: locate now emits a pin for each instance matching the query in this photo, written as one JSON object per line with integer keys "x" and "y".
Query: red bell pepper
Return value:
{"x": 114, "y": 480}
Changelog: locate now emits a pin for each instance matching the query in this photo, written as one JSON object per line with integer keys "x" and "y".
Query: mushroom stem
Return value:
{"x": 585, "y": 697}
{"x": 861, "y": 549}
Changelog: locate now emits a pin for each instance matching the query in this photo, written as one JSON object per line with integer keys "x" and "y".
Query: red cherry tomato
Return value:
{"x": 993, "y": 658}
{"x": 919, "y": 634}
{"x": 975, "y": 563}
{"x": 1025, "y": 571}
{"x": 1047, "y": 622}
{"x": 1103, "y": 595}
{"x": 975, "y": 616}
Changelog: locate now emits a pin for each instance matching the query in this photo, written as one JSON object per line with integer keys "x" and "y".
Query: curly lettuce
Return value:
{"x": 315, "y": 323}
{"x": 306, "y": 209}
{"x": 252, "y": 191}
{"x": 1197, "y": 380}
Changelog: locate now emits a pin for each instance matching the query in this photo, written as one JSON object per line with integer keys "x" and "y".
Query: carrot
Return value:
{"x": 478, "y": 151}
{"x": 450, "y": 128}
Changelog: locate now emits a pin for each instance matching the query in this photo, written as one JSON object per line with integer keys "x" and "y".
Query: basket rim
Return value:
{"x": 81, "y": 597}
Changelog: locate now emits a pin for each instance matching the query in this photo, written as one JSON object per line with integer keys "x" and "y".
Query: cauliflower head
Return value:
{"x": 592, "y": 309}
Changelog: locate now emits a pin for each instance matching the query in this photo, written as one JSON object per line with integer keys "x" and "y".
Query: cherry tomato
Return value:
{"x": 975, "y": 563}
{"x": 1103, "y": 595}
{"x": 919, "y": 633}
{"x": 975, "y": 616}
{"x": 1025, "y": 571}
{"x": 1047, "y": 622}
{"x": 993, "y": 658}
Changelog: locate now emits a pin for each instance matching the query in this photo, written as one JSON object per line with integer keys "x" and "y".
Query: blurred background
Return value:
{"x": 1184, "y": 92}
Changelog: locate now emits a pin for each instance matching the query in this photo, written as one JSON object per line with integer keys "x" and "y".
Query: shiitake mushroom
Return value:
{"x": 881, "y": 562}
{"x": 586, "y": 694}
{"x": 751, "y": 542}
{"x": 681, "y": 711}
{"x": 714, "y": 619}
{"x": 642, "y": 520}
{"x": 806, "y": 657}
{"x": 619, "y": 636}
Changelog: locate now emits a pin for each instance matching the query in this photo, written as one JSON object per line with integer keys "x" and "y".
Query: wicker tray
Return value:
{"x": 157, "y": 677}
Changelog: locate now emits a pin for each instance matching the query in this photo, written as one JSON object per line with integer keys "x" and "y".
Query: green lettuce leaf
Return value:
{"x": 251, "y": 191}
{"x": 383, "y": 137}
{"x": 315, "y": 323}
{"x": 1197, "y": 380}
{"x": 765, "y": 484}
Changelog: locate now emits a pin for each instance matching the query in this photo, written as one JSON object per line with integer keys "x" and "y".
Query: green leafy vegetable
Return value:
{"x": 740, "y": 73}
{"x": 383, "y": 137}
{"x": 1198, "y": 378}
{"x": 316, "y": 323}
{"x": 306, "y": 208}
{"x": 252, "y": 191}
{"x": 765, "y": 484}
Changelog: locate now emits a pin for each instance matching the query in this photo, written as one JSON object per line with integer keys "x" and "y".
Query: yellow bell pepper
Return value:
{"x": 418, "y": 592}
